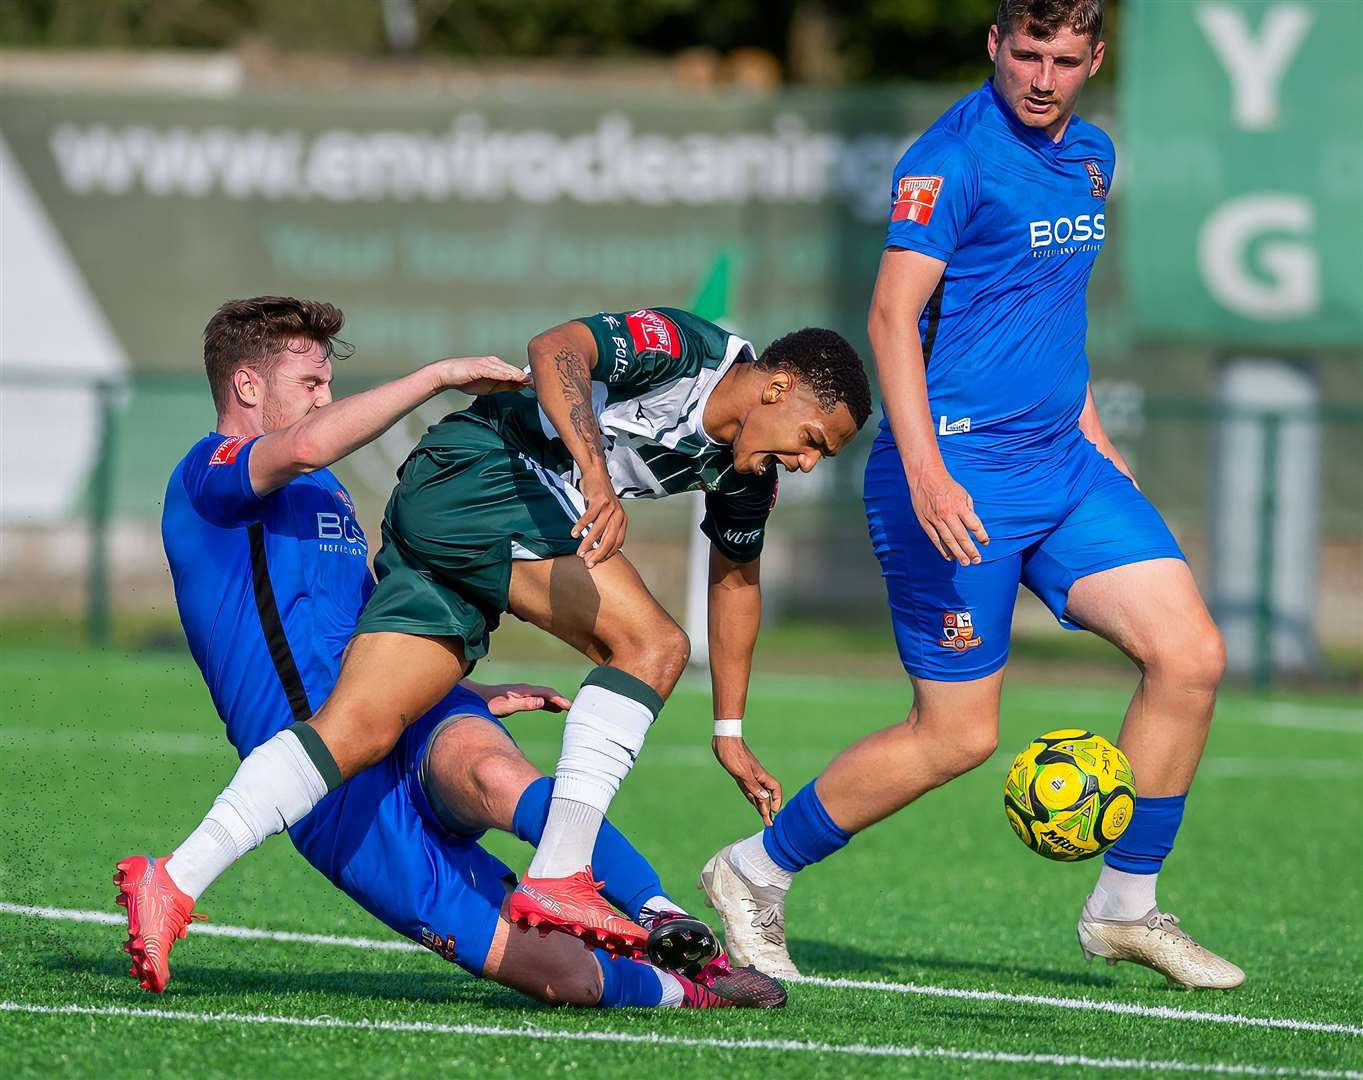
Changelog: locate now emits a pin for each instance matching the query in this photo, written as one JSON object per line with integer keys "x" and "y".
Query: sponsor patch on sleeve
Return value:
{"x": 228, "y": 449}
{"x": 653, "y": 331}
{"x": 915, "y": 197}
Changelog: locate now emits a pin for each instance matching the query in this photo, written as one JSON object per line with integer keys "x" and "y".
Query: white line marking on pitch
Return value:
{"x": 1157, "y": 1012}
{"x": 786, "y": 1045}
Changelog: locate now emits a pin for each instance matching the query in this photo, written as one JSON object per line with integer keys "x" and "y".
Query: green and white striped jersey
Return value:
{"x": 655, "y": 371}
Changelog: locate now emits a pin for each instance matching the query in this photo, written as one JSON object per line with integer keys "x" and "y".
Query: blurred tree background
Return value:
{"x": 803, "y": 41}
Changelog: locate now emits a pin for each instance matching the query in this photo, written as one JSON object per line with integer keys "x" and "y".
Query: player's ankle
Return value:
{"x": 750, "y": 859}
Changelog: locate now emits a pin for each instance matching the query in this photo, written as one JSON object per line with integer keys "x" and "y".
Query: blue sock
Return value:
{"x": 803, "y": 832}
{"x": 1149, "y": 838}
{"x": 630, "y": 880}
{"x": 626, "y": 983}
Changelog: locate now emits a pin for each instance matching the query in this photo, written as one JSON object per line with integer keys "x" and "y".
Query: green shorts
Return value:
{"x": 462, "y": 512}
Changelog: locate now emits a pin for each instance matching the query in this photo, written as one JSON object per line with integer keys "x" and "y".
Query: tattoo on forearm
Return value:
{"x": 575, "y": 382}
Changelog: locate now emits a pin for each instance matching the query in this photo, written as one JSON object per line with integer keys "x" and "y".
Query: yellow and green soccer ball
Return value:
{"x": 1069, "y": 795}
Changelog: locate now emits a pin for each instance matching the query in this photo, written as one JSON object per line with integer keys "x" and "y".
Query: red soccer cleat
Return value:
{"x": 720, "y": 986}
{"x": 574, "y": 905}
{"x": 158, "y": 916}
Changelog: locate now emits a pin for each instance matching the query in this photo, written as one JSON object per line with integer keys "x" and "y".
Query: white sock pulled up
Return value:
{"x": 1121, "y": 897}
{"x": 276, "y": 784}
{"x": 752, "y": 861}
{"x": 602, "y": 736}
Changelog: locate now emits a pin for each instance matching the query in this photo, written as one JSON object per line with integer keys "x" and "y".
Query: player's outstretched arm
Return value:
{"x": 735, "y": 614}
{"x": 1092, "y": 427}
{"x": 561, "y": 360}
{"x": 943, "y": 507}
{"x": 328, "y": 434}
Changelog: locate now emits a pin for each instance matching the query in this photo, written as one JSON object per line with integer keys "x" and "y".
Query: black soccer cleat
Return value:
{"x": 680, "y": 943}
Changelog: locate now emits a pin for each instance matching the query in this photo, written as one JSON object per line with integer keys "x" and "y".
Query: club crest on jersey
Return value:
{"x": 228, "y": 449}
{"x": 653, "y": 331}
{"x": 345, "y": 499}
{"x": 1097, "y": 182}
{"x": 915, "y": 197}
{"x": 958, "y": 631}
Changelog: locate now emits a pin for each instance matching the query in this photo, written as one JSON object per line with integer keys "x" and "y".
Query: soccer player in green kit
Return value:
{"x": 515, "y": 504}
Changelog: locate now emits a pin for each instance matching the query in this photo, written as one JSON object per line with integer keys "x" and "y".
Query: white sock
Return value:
{"x": 1121, "y": 897}
{"x": 751, "y": 858}
{"x": 602, "y": 736}
{"x": 663, "y": 903}
{"x": 672, "y": 989}
{"x": 560, "y": 852}
{"x": 275, "y": 785}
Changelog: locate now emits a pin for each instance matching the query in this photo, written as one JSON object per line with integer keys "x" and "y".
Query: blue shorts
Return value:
{"x": 1051, "y": 521}
{"x": 378, "y": 839}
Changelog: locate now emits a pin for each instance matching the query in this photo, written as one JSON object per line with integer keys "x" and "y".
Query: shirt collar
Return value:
{"x": 1034, "y": 137}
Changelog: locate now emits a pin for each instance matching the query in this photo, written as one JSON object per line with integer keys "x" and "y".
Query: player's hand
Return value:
{"x": 522, "y": 697}
{"x": 602, "y": 525}
{"x": 947, "y": 514}
{"x": 759, "y": 787}
{"x": 481, "y": 375}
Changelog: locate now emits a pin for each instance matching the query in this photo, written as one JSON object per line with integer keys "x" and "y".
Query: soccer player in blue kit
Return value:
{"x": 271, "y": 572}
{"x": 992, "y": 469}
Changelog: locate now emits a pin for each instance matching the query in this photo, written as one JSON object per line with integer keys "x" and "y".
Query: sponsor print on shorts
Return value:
{"x": 440, "y": 944}
{"x": 915, "y": 197}
{"x": 653, "y": 331}
{"x": 958, "y": 631}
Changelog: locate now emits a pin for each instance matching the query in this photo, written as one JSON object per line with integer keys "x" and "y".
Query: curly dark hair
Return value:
{"x": 825, "y": 362}
{"x": 1041, "y": 19}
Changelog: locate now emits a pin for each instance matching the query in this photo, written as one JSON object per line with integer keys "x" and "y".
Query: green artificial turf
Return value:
{"x": 105, "y": 754}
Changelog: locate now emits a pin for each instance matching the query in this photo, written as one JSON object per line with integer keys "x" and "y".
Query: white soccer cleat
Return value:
{"x": 1155, "y": 941}
{"x": 754, "y": 917}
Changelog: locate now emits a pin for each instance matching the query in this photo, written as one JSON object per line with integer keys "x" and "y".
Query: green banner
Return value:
{"x": 1241, "y": 171}
{"x": 463, "y": 227}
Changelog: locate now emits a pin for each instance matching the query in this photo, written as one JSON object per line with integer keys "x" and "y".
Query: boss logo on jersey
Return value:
{"x": 340, "y": 528}
{"x": 654, "y": 332}
{"x": 915, "y": 197}
{"x": 958, "y": 631}
{"x": 1084, "y": 229}
{"x": 228, "y": 449}
{"x": 1097, "y": 182}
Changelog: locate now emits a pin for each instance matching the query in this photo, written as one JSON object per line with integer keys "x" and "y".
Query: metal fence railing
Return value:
{"x": 821, "y": 565}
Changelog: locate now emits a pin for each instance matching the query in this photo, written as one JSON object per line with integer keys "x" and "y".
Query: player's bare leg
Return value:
{"x": 608, "y": 614}
{"x": 555, "y": 969}
{"x": 280, "y": 781}
{"x": 386, "y": 682}
{"x": 952, "y": 728}
{"x": 1153, "y": 612}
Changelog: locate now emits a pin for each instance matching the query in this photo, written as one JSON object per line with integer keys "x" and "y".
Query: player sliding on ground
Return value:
{"x": 514, "y": 505}
{"x": 992, "y": 469}
{"x": 270, "y": 576}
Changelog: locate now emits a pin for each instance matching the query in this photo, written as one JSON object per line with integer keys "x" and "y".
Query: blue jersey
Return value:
{"x": 269, "y": 588}
{"x": 1019, "y": 219}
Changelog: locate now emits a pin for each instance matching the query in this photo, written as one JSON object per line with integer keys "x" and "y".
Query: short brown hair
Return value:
{"x": 1042, "y": 19}
{"x": 256, "y": 331}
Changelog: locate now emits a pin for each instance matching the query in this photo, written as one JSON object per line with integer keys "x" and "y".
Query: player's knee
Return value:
{"x": 658, "y": 655}
{"x": 1193, "y": 662}
{"x": 361, "y": 736}
{"x": 975, "y": 746}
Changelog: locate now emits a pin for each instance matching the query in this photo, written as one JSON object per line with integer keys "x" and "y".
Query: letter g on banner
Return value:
{"x": 1285, "y": 283}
